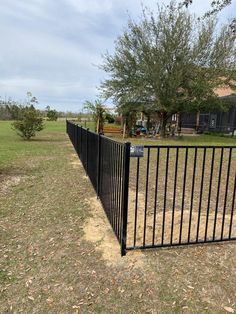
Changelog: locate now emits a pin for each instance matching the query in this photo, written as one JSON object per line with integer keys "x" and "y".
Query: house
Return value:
{"x": 219, "y": 121}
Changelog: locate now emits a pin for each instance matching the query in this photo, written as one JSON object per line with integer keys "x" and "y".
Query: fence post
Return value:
{"x": 124, "y": 208}
{"x": 99, "y": 165}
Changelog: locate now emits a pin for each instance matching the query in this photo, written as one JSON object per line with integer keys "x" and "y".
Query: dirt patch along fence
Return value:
{"x": 174, "y": 195}
{"x": 106, "y": 163}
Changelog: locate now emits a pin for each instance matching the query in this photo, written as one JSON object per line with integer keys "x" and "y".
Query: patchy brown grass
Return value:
{"x": 194, "y": 196}
{"x": 168, "y": 224}
{"x": 59, "y": 255}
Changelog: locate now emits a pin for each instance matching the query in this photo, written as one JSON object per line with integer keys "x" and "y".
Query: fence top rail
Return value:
{"x": 112, "y": 140}
{"x": 80, "y": 126}
{"x": 102, "y": 136}
{"x": 156, "y": 146}
{"x": 190, "y": 146}
{"x": 72, "y": 122}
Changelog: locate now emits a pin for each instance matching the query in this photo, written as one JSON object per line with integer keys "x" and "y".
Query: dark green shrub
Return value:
{"x": 52, "y": 115}
{"x": 29, "y": 123}
{"x": 109, "y": 118}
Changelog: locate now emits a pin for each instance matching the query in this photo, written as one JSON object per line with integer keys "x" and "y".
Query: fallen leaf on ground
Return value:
{"x": 228, "y": 309}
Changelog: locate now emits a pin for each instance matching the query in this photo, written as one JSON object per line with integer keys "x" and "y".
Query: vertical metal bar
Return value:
{"x": 174, "y": 194}
{"x": 112, "y": 185}
{"x": 200, "y": 196}
{"x": 136, "y": 201}
{"x": 183, "y": 195}
{"x": 104, "y": 174}
{"x": 81, "y": 139}
{"x": 226, "y": 193}
{"x": 82, "y": 145}
{"x": 87, "y": 130}
{"x": 98, "y": 165}
{"x": 108, "y": 181}
{"x": 232, "y": 211}
{"x": 78, "y": 140}
{"x": 165, "y": 196}
{"x": 146, "y": 198}
{"x": 192, "y": 194}
{"x": 218, "y": 193}
{"x": 74, "y": 139}
{"x": 126, "y": 166}
{"x": 209, "y": 193}
{"x": 72, "y": 134}
{"x": 116, "y": 188}
{"x": 120, "y": 174}
{"x": 108, "y": 155}
{"x": 75, "y": 136}
{"x": 155, "y": 200}
{"x": 101, "y": 169}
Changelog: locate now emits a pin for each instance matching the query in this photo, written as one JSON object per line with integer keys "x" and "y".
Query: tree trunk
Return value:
{"x": 142, "y": 116}
{"x": 163, "y": 121}
{"x": 122, "y": 121}
{"x": 124, "y": 128}
{"x": 178, "y": 124}
{"x": 101, "y": 125}
{"x": 148, "y": 122}
{"x": 197, "y": 120}
{"x": 98, "y": 126}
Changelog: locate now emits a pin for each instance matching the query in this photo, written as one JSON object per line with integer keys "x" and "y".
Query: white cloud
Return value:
{"x": 50, "y": 47}
{"x": 91, "y": 6}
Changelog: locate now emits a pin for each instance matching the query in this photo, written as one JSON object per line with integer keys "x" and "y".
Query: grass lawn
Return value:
{"x": 58, "y": 253}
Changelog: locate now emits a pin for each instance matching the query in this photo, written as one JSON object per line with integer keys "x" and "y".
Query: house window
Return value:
{"x": 174, "y": 117}
{"x": 213, "y": 121}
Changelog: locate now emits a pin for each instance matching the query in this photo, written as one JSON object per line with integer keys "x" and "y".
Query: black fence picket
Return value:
{"x": 106, "y": 163}
{"x": 182, "y": 195}
{"x": 178, "y": 195}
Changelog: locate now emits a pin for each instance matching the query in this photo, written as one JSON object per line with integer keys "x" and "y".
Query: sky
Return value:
{"x": 53, "y": 48}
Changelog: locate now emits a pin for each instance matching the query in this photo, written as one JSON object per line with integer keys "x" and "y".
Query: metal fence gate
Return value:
{"x": 182, "y": 195}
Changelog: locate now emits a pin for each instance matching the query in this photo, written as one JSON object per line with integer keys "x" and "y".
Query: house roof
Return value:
{"x": 225, "y": 91}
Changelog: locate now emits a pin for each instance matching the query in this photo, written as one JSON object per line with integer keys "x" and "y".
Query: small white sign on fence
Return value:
{"x": 136, "y": 151}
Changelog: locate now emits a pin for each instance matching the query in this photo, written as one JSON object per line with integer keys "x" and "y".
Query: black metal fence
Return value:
{"x": 106, "y": 163}
{"x": 178, "y": 195}
{"x": 182, "y": 195}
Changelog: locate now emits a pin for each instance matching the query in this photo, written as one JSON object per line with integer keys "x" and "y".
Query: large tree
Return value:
{"x": 170, "y": 61}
